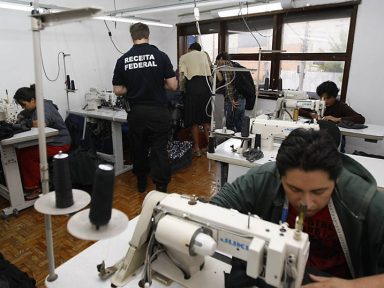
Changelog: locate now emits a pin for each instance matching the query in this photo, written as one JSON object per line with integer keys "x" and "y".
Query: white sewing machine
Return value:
{"x": 95, "y": 99}
{"x": 179, "y": 231}
{"x": 272, "y": 130}
{"x": 8, "y": 110}
{"x": 285, "y": 107}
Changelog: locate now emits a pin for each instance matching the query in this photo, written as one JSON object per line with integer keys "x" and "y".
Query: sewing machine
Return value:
{"x": 96, "y": 99}
{"x": 178, "y": 231}
{"x": 272, "y": 130}
{"x": 294, "y": 100}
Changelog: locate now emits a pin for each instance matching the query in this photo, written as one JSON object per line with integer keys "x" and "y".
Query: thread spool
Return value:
{"x": 266, "y": 83}
{"x": 68, "y": 82}
{"x": 257, "y": 141}
{"x": 73, "y": 85}
{"x": 295, "y": 114}
{"x": 62, "y": 181}
{"x": 280, "y": 85}
{"x": 102, "y": 194}
{"x": 211, "y": 144}
{"x": 245, "y": 126}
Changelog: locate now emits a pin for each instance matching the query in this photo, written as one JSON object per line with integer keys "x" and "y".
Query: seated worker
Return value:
{"x": 343, "y": 206}
{"x": 234, "y": 102}
{"x": 335, "y": 110}
{"x": 28, "y": 158}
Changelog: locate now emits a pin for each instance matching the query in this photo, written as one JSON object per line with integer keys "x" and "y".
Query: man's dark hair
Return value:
{"x": 309, "y": 150}
{"x": 224, "y": 56}
{"x": 139, "y": 31}
{"x": 195, "y": 46}
{"x": 25, "y": 94}
{"x": 329, "y": 88}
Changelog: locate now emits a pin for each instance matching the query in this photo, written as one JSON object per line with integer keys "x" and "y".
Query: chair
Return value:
{"x": 332, "y": 129}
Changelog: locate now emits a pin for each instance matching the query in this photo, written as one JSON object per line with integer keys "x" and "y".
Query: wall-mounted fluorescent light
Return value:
{"x": 131, "y": 20}
{"x": 250, "y": 10}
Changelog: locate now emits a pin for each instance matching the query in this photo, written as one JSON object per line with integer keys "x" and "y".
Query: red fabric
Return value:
{"x": 29, "y": 163}
{"x": 325, "y": 253}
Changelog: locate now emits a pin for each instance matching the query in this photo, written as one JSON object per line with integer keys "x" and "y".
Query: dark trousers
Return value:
{"x": 149, "y": 128}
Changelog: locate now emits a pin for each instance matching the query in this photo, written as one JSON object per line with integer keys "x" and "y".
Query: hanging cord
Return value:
{"x": 58, "y": 66}
{"x": 246, "y": 24}
{"x": 110, "y": 37}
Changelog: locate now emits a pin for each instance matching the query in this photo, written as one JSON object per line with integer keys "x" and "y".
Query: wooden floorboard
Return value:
{"x": 22, "y": 238}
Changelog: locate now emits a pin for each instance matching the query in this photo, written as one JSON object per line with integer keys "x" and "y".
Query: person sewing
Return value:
{"x": 335, "y": 111}
{"x": 343, "y": 206}
{"x": 28, "y": 157}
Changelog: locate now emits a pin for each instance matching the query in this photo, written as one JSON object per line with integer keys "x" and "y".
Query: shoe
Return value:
{"x": 141, "y": 183}
{"x": 32, "y": 194}
{"x": 161, "y": 188}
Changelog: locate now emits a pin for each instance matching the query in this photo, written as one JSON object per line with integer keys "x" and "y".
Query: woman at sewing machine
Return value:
{"x": 335, "y": 111}
{"x": 28, "y": 157}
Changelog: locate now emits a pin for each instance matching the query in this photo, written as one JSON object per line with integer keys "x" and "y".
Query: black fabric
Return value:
{"x": 245, "y": 86}
{"x": 83, "y": 164}
{"x": 6, "y": 130}
{"x": 149, "y": 129}
{"x": 143, "y": 70}
{"x": 361, "y": 153}
{"x": 195, "y": 102}
{"x": 351, "y": 125}
{"x": 13, "y": 277}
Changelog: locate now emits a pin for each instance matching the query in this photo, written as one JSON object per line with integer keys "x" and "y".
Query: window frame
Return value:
{"x": 277, "y": 24}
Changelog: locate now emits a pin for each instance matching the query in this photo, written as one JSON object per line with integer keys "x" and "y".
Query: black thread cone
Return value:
{"x": 62, "y": 181}
{"x": 102, "y": 195}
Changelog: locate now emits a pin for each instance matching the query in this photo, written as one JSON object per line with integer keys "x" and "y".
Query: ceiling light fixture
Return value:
{"x": 23, "y": 6}
{"x": 250, "y": 10}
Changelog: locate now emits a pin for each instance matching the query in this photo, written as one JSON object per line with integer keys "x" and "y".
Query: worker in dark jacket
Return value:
{"x": 343, "y": 207}
{"x": 335, "y": 110}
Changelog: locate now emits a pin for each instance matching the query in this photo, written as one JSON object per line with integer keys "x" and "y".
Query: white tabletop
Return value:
{"x": 223, "y": 153}
{"x": 374, "y": 166}
{"x": 32, "y": 134}
{"x": 102, "y": 113}
{"x": 373, "y": 132}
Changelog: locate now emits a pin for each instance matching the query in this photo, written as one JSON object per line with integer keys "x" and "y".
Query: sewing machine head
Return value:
{"x": 181, "y": 232}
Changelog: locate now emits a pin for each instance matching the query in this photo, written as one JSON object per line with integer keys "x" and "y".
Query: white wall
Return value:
{"x": 365, "y": 93}
{"x": 92, "y": 59}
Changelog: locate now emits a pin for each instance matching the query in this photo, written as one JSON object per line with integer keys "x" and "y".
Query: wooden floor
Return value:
{"x": 22, "y": 238}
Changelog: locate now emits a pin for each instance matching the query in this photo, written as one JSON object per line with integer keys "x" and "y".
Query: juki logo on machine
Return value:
{"x": 238, "y": 245}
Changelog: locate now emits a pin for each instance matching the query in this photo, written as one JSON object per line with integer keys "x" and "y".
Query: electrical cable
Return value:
{"x": 58, "y": 66}
{"x": 247, "y": 26}
{"x": 110, "y": 37}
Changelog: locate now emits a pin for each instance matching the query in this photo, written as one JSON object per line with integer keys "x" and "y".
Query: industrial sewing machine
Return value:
{"x": 96, "y": 99}
{"x": 179, "y": 232}
{"x": 288, "y": 106}
{"x": 8, "y": 110}
{"x": 274, "y": 131}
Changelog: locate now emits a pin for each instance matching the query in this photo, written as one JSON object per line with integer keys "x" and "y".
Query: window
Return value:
{"x": 316, "y": 33}
{"x": 209, "y": 43}
{"x": 307, "y": 75}
{"x": 265, "y": 68}
{"x": 240, "y": 40}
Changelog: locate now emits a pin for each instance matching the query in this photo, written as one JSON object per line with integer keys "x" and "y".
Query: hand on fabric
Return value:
{"x": 34, "y": 123}
{"x": 329, "y": 282}
{"x": 331, "y": 118}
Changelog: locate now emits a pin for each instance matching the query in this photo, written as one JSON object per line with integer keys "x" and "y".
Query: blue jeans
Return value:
{"x": 234, "y": 119}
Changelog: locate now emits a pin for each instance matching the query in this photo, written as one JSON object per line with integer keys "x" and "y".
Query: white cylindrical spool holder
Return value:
{"x": 204, "y": 245}
{"x": 176, "y": 233}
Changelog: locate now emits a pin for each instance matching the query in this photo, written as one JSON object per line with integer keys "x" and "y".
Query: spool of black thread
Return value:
{"x": 266, "y": 83}
{"x": 211, "y": 144}
{"x": 102, "y": 194}
{"x": 68, "y": 82}
{"x": 73, "y": 85}
{"x": 257, "y": 141}
{"x": 280, "y": 85}
{"x": 245, "y": 127}
{"x": 62, "y": 181}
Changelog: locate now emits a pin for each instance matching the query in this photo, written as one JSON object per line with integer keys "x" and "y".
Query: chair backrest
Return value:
{"x": 332, "y": 129}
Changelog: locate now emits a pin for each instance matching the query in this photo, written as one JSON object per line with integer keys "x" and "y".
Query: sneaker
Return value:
{"x": 161, "y": 188}
{"x": 141, "y": 183}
